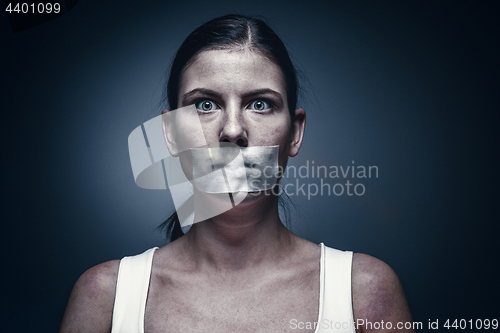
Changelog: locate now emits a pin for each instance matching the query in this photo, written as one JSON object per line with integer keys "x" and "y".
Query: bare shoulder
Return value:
{"x": 90, "y": 306}
{"x": 368, "y": 271}
{"x": 377, "y": 295}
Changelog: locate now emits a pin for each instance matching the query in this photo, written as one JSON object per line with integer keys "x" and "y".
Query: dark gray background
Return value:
{"x": 411, "y": 87}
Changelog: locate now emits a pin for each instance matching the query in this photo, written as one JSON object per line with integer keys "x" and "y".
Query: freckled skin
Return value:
{"x": 241, "y": 271}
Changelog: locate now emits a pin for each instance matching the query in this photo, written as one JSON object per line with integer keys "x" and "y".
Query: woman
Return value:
{"x": 242, "y": 270}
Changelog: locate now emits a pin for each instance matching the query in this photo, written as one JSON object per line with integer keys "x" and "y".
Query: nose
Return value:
{"x": 234, "y": 128}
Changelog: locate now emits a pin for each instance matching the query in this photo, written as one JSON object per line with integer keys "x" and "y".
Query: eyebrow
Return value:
{"x": 203, "y": 91}
{"x": 249, "y": 94}
{"x": 264, "y": 91}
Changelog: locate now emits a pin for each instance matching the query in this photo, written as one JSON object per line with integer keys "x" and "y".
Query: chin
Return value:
{"x": 245, "y": 198}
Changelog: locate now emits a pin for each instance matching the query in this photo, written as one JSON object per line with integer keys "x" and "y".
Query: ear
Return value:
{"x": 298, "y": 128}
{"x": 168, "y": 132}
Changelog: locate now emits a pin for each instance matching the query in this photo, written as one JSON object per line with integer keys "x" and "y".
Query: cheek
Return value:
{"x": 211, "y": 132}
{"x": 188, "y": 131}
{"x": 277, "y": 133}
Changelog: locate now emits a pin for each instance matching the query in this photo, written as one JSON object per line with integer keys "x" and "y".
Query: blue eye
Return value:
{"x": 206, "y": 106}
{"x": 260, "y": 105}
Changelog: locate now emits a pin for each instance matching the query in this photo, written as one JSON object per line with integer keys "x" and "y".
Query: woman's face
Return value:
{"x": 240, "y": 97}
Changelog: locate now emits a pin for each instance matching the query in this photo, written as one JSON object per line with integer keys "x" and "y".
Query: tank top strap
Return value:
{"x": 336, "y": 298}
{"x": 132, "y": 287}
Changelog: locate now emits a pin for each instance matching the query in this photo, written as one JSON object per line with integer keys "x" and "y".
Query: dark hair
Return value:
{"x": 228, "y": 32}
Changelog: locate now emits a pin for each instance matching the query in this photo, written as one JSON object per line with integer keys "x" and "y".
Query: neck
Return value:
{"x": 248, "y": 235}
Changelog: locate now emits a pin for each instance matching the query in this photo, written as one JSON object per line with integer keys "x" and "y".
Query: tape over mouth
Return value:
{"x": 204, "y": 181}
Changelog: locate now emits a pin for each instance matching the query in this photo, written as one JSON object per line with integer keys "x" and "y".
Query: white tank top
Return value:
{"x": 335, "y": 301}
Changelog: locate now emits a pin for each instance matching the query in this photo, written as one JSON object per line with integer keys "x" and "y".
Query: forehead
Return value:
{"x": 232, "y": 71}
